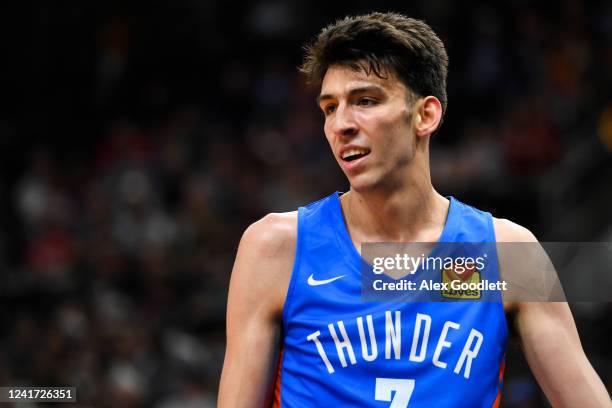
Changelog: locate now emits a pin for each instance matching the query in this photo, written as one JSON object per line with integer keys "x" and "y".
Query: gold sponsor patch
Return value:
{"x": 469, "y": 276}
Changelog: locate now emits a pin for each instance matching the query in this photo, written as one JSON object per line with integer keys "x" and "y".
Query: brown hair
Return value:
{"x": 380, "y": 43}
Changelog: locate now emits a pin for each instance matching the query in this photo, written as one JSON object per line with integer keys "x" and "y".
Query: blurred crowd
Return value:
{"x": 142, "y": 140}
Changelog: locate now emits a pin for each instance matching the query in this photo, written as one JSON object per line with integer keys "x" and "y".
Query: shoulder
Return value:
{"x": 511, "y": 269}
{"x": 271, "y": 235}
{"x": 264, "y": 262}
{"x": 521, "y": 259}
{"x": 508, "y": 231}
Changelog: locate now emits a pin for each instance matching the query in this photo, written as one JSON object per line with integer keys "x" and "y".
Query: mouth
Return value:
{"x": 354, "y": 154}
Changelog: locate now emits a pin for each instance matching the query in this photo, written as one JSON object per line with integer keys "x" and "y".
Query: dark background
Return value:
{"x": 139, "y": 139}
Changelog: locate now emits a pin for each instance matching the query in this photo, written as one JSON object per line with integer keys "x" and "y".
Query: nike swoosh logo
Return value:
{"x": 313, "y": 282}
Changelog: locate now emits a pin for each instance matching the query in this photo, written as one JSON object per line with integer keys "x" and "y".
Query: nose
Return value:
{"x": 344, "y": 123}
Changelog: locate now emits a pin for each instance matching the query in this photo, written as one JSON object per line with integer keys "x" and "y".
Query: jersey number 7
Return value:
{"x": 385, "y": 387}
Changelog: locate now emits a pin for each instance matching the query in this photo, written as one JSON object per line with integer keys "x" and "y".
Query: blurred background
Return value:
{"x": 139, "y": 139}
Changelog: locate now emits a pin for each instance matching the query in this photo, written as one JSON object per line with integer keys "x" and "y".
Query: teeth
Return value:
{"x": 353, "y": 152}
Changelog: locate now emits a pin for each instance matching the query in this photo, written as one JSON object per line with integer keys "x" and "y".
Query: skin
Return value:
{"x": 391, "y": 199}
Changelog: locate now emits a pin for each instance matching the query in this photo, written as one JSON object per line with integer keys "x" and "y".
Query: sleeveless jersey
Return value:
{"x": 340, "y": 351}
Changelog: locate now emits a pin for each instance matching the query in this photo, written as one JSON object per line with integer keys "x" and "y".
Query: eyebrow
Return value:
{"x": 361, "y": 89}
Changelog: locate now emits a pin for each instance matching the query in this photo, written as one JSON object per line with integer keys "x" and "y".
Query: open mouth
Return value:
{"x": 354, "y": 154}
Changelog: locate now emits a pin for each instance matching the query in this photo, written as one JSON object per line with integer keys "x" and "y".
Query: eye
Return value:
{"x": 366, "y": 102}
{"x": 329, "y": 108}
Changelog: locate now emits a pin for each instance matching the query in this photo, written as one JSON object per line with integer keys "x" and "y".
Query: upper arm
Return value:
{"x": 553, "y": 350}
{"x": 548, "y": 333}
{"x": 258, "y": 287}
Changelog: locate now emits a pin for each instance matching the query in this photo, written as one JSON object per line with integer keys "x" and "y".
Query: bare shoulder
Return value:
{"x": 508, "y": 231}
{"x": 515, "y": 262}
{"x": 264, "y": 262}
{"x": 272, "y": 236}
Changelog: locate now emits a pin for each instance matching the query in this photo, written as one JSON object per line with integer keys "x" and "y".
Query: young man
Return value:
{"x": 298, "y": 333}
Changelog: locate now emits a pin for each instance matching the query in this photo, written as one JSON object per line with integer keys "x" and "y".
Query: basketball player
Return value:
{"x": 298, "y": 334}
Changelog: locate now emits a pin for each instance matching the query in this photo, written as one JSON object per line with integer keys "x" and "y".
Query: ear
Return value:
{"x": 427, "y": 114}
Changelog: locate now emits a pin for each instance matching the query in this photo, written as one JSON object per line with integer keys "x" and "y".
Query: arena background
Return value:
{"x": 138, "y": 140}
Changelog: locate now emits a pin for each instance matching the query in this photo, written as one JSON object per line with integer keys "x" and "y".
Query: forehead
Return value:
{"x": 341, "y": 79}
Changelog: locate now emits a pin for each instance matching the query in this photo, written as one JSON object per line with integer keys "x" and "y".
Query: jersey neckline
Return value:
{"x": 449, "y": 231}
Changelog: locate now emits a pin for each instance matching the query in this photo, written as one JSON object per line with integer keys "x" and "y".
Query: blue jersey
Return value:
{"x": 340, "y": 351}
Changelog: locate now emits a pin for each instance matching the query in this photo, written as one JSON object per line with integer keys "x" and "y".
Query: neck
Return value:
{"x": 411, "y": 210}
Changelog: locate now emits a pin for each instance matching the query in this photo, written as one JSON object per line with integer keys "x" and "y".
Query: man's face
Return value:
{"x": 367, "y": 125}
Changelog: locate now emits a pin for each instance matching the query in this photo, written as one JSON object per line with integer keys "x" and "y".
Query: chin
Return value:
{"x": 364, "y": 183}
{"x": 380, "y": 181}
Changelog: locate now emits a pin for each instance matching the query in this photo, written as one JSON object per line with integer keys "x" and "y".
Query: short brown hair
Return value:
{"x": 385, "y": 42}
